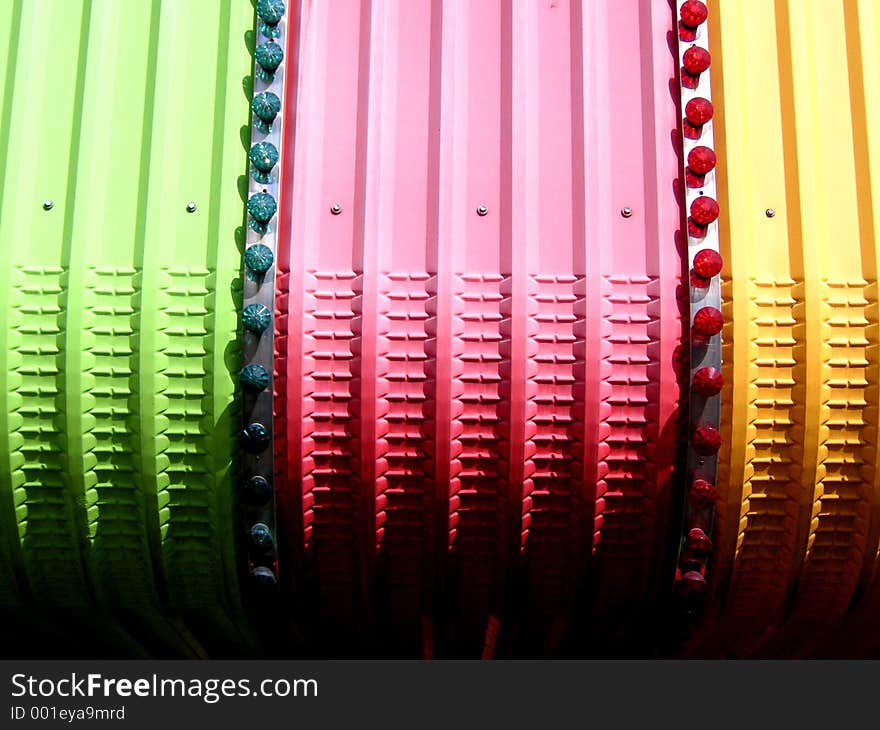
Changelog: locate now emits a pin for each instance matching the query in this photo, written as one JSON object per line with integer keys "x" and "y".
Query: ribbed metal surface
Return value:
{"x": 480, "y": 409}
{"x": 796, "y": 89}
{"x": 118, "y": 307}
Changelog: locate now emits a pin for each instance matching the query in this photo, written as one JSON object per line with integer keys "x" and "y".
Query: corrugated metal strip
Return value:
{"x": 478, "y": 388}
{"x": 118, "y": 305}
{"x": 799, "y": 134}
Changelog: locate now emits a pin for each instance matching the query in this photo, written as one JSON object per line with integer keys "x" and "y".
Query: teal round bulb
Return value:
{"x": 261, "y": 536}
{"x": 258, "y": 490}
{"x": 259, "y": 258}
{"x": 262, "y": 207}
{"x": 263, "y": 156}
{"x": 270, "y": 11}
{"x": 256, "y": 318}
{"x": 254, "y": 377}
{"x": 266, "y": 106}
{"x": 269, "y": 56}
{"x": 255, "y": 437}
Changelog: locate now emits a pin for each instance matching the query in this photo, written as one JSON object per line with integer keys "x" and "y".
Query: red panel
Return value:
{"x": 475, "y": 372}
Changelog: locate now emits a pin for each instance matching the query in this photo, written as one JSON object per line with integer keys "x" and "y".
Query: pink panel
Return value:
{"x": 476, "y": 379}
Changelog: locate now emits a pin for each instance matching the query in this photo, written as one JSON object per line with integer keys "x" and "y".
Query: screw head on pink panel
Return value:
{"x": 626, "y": 212}
{"x": 482, "y": 210}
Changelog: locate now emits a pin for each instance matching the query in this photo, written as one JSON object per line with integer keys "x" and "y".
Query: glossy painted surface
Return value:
{"x": 798, "y": 133}
{"x": 118, "y": 308}
{"x": 480, "y": 409}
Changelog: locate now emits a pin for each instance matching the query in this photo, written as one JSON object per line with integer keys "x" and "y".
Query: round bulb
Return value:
{"x": 696, "y": 60}
{"x": 255, "y": 437}
{"x": 708, "y": 382}
{"x": 266, "y": 106}
{"x": 269, "y": 56}
{"x": 693, "y": 13}
{"x": 701, "y": 160}
{"x": 698, "y": 541}
{"x": 708, "y": 322}
{"x": 704, "y": 210}
{"x": 706, "y": 440}
{"x": 692, "y": 585}
{"x": 702, "y": 494}
{"x": 699, "y": 111}
{"x": 707, "y": 263}
{"x": 262, "y": 207}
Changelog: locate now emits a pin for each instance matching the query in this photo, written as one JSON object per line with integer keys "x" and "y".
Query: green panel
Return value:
{"x": 118, "y": 307}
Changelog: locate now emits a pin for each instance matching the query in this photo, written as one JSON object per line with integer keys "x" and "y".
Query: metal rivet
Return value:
{"x": 626, "y": 212}
{"x": 191, "y": 207}
{"x": 48, "y": 204}
{"x": 482, "y": 210}
{"x": 770, "y": 213}
{"x": 336, "y": 209}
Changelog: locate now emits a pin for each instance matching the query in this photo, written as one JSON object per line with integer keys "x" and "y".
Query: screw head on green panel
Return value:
{"x": 254, "y": 377}
{"x": 261, "y": 537}
{"x": 258, "y": 489}
{"x": 269, "y": 56}
{"x": 262, "y": 207}
{"x": 259, "y": 258}
{"x": 256, "y": 317}
{"x": 255, "y": 437}
{"x": 266, "y": 106}
{"x": 270, "y": 11}
{"x": 263, "y": 156}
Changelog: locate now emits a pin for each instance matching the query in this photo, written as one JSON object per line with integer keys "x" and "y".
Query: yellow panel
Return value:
{"x": 796, "y": 135}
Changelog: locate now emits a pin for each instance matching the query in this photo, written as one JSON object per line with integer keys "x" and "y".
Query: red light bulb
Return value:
{"x": 701, "y": 160}
{"x": 692, "y": 585}
{"x": 706, "y": 440}
{"x": 699, "y": 111}
{"x": 693, "y": 13}
{"x": 704, "y": 210}
{"x": 698, "y": 541}
{"x": 702, "y": 494}
{"x": 696, "y": 60}
{"x": 708, "y": 382}
{"x": 708, "y": 322}
{"x": 707, "y": 263}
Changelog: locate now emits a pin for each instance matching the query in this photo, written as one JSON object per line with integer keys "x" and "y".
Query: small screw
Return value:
{"x": 191, "y": 207}
{"x": 482, "y": 210}
{"x": 770, "y": 212}
{"x": 336, "y": 209}
{"x": 48, "y": 204}
{"x": 626, "y": 212}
